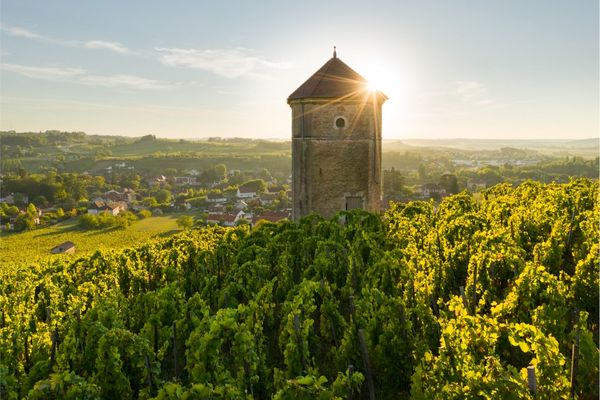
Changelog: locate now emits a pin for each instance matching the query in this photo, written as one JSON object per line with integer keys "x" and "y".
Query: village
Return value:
{"x": 215, "y": 203}
{"x": 218, "y": 203}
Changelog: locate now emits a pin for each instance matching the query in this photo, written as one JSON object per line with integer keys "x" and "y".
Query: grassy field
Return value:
{"x": 35, "y": 245}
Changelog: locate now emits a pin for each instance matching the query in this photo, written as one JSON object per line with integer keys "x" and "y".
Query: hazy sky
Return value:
{"x": 476, "y": 69}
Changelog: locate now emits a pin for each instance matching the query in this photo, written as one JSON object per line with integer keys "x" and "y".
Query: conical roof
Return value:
{"x": 333, "y": 80}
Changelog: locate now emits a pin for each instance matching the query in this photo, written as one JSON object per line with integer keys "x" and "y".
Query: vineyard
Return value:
{"x": 34, "y": 246}
{"x": 488, "y": 299}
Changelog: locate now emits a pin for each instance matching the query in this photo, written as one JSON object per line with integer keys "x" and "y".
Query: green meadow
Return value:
{"x": 34, "y": 246}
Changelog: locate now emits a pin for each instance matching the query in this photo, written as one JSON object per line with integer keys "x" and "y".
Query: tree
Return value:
{"x": 449, "y": 183}
{"x": 88, "y": 221}
{"x": 12, "y": 210}
{"x": 163, "y": 196}
{"x": 258, "y": 185}
{"x": 265, "y": 174}
{"x": 145, "y": 213}
{"x": 185, "y": 221}
{"x": 31, "y": 210}
{"x": 220, "y": 171}
{"x": 150, "y": 202}
{"x": 214, "y": 174}
{"x": 23, "y": 222}
{"x": 393, "y": 182}
{"x": 40, "y": 201}
{"x": 236, "y": 177}
{"x": 20, "y": 198}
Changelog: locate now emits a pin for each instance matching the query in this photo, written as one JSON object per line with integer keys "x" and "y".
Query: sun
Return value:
{"x": 395, "y": 82}
{"x": 380, "y": 78}
{"x": 372, "y": 86}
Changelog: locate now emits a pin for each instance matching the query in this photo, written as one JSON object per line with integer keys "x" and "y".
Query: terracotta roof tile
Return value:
{"x": 333, "y": 80}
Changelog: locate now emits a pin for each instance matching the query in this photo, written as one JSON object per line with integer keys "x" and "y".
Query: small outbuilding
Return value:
{"x": 64, "y": 248}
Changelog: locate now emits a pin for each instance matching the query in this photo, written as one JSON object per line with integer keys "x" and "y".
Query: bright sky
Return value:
{"x": 471, "y": 69}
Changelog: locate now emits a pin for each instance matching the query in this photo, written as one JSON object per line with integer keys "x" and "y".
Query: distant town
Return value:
{"x": 110, "y": 182}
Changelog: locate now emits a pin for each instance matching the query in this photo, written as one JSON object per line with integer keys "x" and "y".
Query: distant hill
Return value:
{"x": 591, "y": 142}
{"x": 491, "y": 144}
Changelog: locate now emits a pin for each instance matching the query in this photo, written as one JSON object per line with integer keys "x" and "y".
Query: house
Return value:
{"x": 157, "y": 180}
{"x": 219, "y": 185}
{"x": 128, "y": 195}
{"x": 217, "y": 208}
{"x": 276, "y": 189}
{"x": 10, "y": 199}
{"x": 216, "y": 198}
{"x": 19, "y": 198}
{"x": 185, "y": 180}
{"x": 245, "y": 193}
{"x": 476, "y": 185}
{"x": 225, "y": 219}
{"x": 272, "y": 216}
{"x": 64, "y": 248}
{"x": 268, "y": 198}
{"x": 240, "y": 205}
{"x": 113, "y": 208}
{"x": 237, "y": 217}
{"x": 432, "y": 190}
{"x": 112, "y": 195}
{"x": 96, "y": 206}
{"x": 120, "y": 204}
{"x": 214, "y": 218}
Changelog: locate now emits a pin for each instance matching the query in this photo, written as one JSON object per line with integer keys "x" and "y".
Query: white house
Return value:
{"x": 216, "y": 198}
{"x": 185, "y": 180}
{"x": 225, "y": 219}
{"x": 245, "y": 193}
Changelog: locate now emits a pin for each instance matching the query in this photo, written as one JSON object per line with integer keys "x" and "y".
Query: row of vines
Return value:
{"x": 453, "y": 301}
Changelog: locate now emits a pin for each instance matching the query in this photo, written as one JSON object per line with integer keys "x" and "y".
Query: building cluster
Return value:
{"x": 231, "y": 212}
{"x": 112, "y": 202}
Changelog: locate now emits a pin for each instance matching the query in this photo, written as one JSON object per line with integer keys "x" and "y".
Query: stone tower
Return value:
{"x": 336, "y": 142}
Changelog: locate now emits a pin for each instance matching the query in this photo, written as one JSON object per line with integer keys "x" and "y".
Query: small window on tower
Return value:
{"x": 340, "y": 122}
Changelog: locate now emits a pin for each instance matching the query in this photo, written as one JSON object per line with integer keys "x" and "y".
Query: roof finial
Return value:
{"x": 334, "y": 52}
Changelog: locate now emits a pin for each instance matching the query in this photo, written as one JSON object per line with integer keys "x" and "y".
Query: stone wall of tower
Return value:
{"x": 329, "y": 163}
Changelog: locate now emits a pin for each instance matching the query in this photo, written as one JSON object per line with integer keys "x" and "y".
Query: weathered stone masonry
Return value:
{"x": 336, "y": 143}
